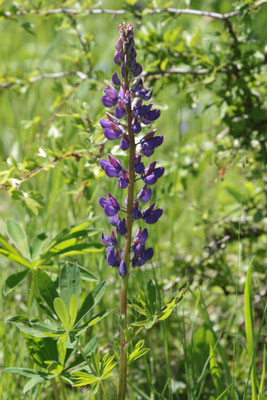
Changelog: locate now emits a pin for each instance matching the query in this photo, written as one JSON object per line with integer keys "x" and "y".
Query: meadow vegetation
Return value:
{"x": 197, "y": 310}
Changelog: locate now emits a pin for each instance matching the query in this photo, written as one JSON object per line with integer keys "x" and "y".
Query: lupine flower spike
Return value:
{"x": 126, "y": 120}
{"x": 125, "y": 96}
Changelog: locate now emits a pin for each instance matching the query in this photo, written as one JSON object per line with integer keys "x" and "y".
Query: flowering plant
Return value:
{"x": 129, "y": 118}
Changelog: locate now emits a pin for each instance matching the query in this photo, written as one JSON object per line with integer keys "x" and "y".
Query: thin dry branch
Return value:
{"x": 77, "y": 155}
{"x": 181, "y": 71}
{"x": 37, "y": 78}
{"x": 175, "y": 11}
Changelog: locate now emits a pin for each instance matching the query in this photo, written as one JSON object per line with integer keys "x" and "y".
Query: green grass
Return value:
{"x": 213, "y": 346}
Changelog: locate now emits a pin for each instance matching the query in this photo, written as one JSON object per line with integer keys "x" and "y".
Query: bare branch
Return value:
{"x": 54, "y": 75}
{"x": 176, "y": 11}
{"x": 181, "y": 71}
{"x": 77, "y": 155}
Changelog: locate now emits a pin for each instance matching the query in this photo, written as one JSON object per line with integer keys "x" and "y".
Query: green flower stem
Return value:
{"x": 63, "y": 389}
{"x": 55, "y": 389}
{"x": 128, "y": 241}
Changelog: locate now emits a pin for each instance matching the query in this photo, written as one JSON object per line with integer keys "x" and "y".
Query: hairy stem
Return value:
{"x": 127, "y": 248}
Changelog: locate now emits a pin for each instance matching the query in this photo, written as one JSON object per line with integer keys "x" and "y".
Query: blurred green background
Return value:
{"x": 212, "y": 193}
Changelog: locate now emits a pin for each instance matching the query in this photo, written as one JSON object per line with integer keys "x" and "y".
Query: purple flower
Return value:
{"x": 114, "y": 219}
{"x": 140, "y": 260}
{"x": 122, "y": 269}
{"x": 136, "y": 213}
{"x": 145, "y": 194}
{"x": 113, "y": 257}
{"x": 138, "y": 165}
{"x": 131, "y": 115}
{"x": 152, "y": 174}
{"x": 123, "y": 180}
{"x": 151, "y": 116}
{"x": 140, "y": 236}
{"x": 148, "y": 145}
{"x": 109, "y": 240}
{"x": 151, "y": 216}
{"x": 111, "y": 96}
{"x": 112, "y": 168}
{"x": 115, "y": 79}
{"x": 111, "y": 206}
{"x": 138, "y": 90}
{"x": 121, "y": 227}
{"x": 124, "y": 145}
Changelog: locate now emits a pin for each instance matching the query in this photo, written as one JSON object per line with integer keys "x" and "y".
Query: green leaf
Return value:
{"x": 84, "y": 379}
{"x": 152, "y": 295}
{"x": 86, "y": 275}
{"x": 73, "y": 309}
{"x": 98, "y": 317}
{"x": 69, "y": 282}
{"x": 9, "y": 252}
{"x": 18, "y": 318}
{"x": 18, "y": 236}
{"x": 62, "y": 312}
{"x": 249, "y": 323}
{"x": 46, "y": 287}
{"x": 14, "y": 280}
{"x": 37, "y": 245}
{"x": 89, "y": 348}
{"x": 62, "y": 349}
{"x": 139, "y": 309}
{"x": 224, "y": 392}
{"x": 215, "y": 372}
{"x": 36, "y": 380}
{"x": 137, "y": 352}
{"x": 91, "y": 300}
{"x": 260, "y": 397}
{"x": 21, "y": 371}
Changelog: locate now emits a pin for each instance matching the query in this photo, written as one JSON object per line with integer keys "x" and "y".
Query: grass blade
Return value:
{"x": 248, "y": 311}
{"x": 263, "y": 374}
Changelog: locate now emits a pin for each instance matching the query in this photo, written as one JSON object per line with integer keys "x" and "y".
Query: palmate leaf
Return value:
{"x": 72, "y": 241}
{"x": 44, "y": 352}
{"x": 14, "y": 280}
{"x": 36, "y": 380}
{"x": 90, "y": 301}
{"x": 41, "y": 303}
{"x": 28, "y": 372}
{"x": 62, "y": 312}
{"x": 40, "y": 331}
{"x": 18, "y": 236}
{"x": 47, "y": 288}
{"x": 73, "y": 309}
{"x": 146, "y": 306}
{"x": 83, "y": 378}
{"x": 103, "y": 369}
{"x": 96, "y": 318}
{"x": 166, "y": 311}
{"x": 138, "y": 351}
{"x": 69, "y": 282}
{"x": 86, "y": 275}
{"x": 37, "y": 245}
{"x": 11, "y": 253}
